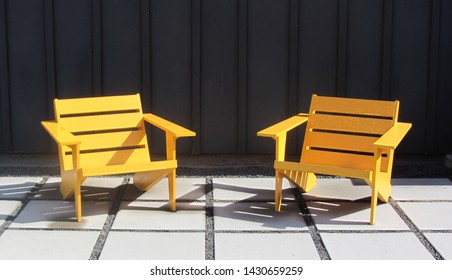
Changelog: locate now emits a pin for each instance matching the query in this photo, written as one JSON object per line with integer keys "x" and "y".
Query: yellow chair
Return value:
{"x": 106, "y": 136}
{"x": 344, "y": 137}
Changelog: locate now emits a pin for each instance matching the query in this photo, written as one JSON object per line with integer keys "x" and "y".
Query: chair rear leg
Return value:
{"x": 278, "y": 191}
{"x": 78, "y": 202}
{"x": 172, "y": 189}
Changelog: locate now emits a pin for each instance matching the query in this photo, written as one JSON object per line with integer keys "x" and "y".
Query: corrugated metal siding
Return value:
{"x": 226, "y": 68}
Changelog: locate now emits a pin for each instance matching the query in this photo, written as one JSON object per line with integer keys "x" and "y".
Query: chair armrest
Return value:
{"x": 283, "y": 126}
{"x": 176, "y": 130}
{"x": 59, "y": 134}
{"x": 392, "y": 137}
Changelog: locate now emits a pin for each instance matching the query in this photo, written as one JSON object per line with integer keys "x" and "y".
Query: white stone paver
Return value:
{"x": 61, "y": 215}
{"x": 154, "y": 246}
{"x": 422, "y": 189}
{"x": 257, "y": 216}
{"x": 47, "y": 245}
{"x": 427, "y": 215}
{"x": 156, "y": 215}
{"x": 442, "y": 243}
{"x": 256, "y": 189}
{"x": 186, "y": 189}
{"x": 7, "y": 207}
{"x": 375, "y": 246}
{"x": 93, "y": 188}
{"x": 354, "y": 216}
{"x": 17, "y": 187}
{"x": 265, "y": 246}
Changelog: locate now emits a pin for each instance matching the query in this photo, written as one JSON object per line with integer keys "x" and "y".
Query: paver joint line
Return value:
{"x": 314, "y": 232}
{"x": 432, "y": 250}
{"x": 210, "y": 227}
{"x": 10, "y": 218}
{"x": 100, "y": 242}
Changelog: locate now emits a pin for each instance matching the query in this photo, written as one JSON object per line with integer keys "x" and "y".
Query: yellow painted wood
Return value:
{"x": 349, "y": 124}
{"x": 283, "y": 126}
{"x": 344, "y": 137}
{"x": 102, "y": 122}
{"x": 129, "y": 168}
{"x": 59, "y": 133}
{"x": 393, "y": 136}
{"x": 346, "y": 142}
{"x": 354, "y": 106}
{"x": 105, "y": 136}
{"x": 97, "y": 104}
{"x": 112, "y": 140}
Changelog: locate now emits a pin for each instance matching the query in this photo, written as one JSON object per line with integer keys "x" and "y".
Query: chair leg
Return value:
{"x": 278, "y": 191}
{"x": 78, "y": 202}
{"x": 172, "y": 189}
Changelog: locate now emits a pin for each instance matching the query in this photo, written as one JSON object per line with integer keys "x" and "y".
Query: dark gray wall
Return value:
{"x": 226, "y": 68}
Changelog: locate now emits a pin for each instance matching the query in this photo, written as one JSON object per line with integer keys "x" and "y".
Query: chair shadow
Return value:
{"x": 16, "y": 191}
{"x": 48, "y": 206}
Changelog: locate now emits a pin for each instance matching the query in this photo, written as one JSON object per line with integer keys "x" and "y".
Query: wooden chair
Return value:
{"x": 105, "y": 136}
{"x": 344, "y": 137}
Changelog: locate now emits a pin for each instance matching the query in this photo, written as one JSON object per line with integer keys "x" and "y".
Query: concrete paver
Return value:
{"x": 235, "y": 221}
{"x": 354, "y": 216}
{"x": 61, "y": 215}
{"x": 47, "y": 244}
{"x": 375, "y": 246}
{"x": 257, "y": 216}
{"x": 429, "y": 216}
{"x": 442, "y": 242}
{"x": 154, "y": 246}
{"x": 147, "y": 215}
{"x": 17, "y": 187}
{"x": 265, "y": 246}
{"x": 255, "y": 189}
{"x": 94, "y": 188}
{"x": 422, "y": 189}
{"x": 186, "y": 189}
{"x": 7, "y": 207}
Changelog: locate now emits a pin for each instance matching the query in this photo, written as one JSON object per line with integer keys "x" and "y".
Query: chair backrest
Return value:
{"x": 111, "y": 129}
{"x": 341, "y": 131}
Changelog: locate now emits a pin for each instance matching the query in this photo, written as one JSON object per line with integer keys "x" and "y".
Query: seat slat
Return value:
{"x": 354, "y": 106}
{"x": 349, "y": 124}
{"x": 102, "y": 122}
{"x": 97, "y": 104}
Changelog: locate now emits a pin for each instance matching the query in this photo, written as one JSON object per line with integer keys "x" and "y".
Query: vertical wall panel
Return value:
{"x": 365, "y": 24}
{"x": 219, "y": 76}
{"x": 5, "y": 124}
{"x": 410, "y": 64}
{"x": 443, "y": 132}
{"x": 226, "y": 68}
{"x": 268, "y": 64}
{"x": 171, "y": 64}
{"x": 318, "y": 50}
{"x": 121, "y": 51}
{"x": 27, "y": 74}
{"x": 73, "y": 48}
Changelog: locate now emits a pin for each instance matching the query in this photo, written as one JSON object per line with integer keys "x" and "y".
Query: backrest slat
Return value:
{"x": 111, "y": 129}
{"x": 341, "y": 131}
